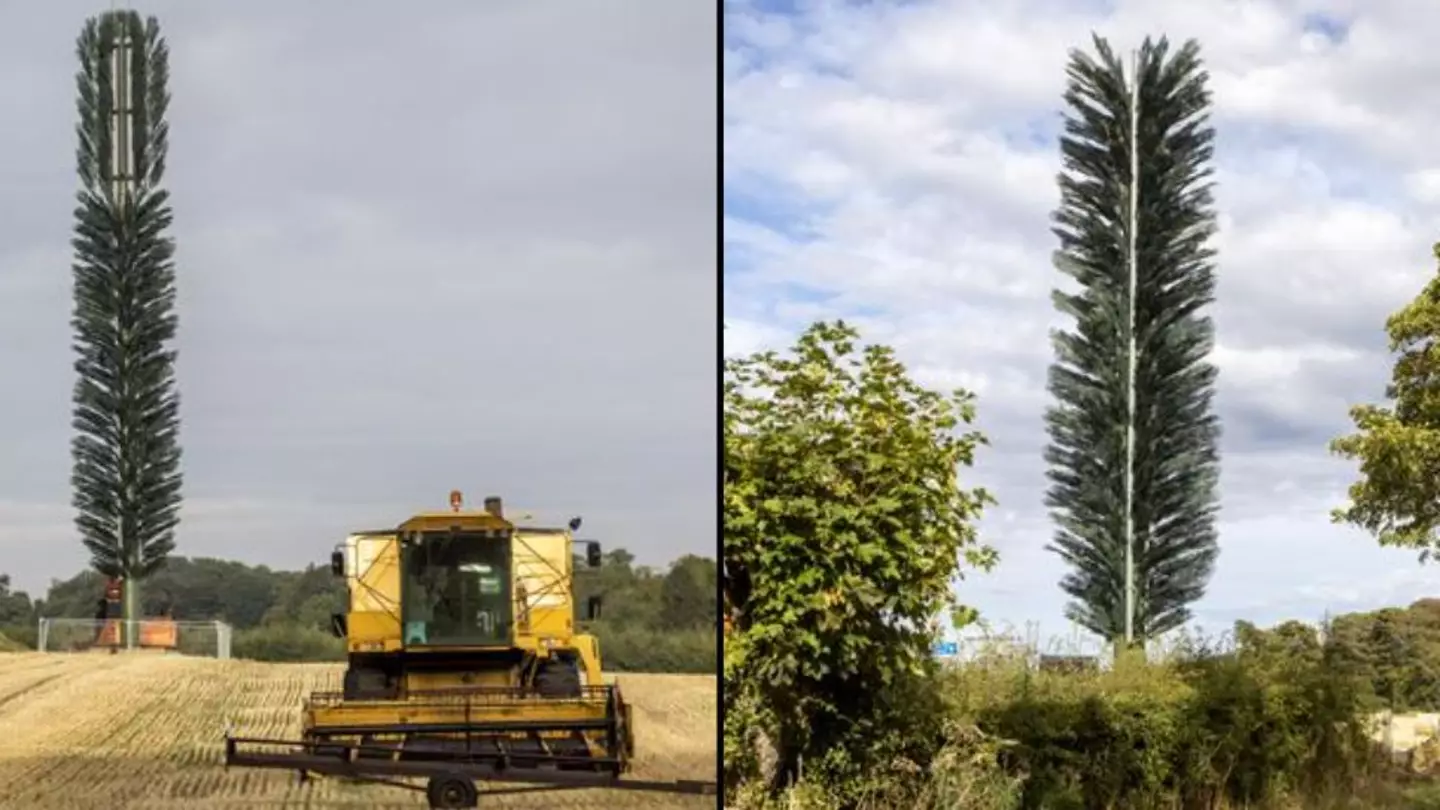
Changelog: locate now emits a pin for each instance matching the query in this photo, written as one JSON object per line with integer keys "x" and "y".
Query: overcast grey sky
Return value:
{"x": 894, "y": 163}
{"x": 471, "y": 245}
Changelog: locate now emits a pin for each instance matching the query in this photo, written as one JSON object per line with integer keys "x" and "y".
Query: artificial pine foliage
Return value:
{"x": 126, "y": 475}
{"x": 1132, "y": 458}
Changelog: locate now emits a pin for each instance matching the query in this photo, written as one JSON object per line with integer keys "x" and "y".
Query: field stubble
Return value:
{"x": 139, "y": 731}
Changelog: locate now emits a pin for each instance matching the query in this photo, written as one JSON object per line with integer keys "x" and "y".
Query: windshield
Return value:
{"x": 457, "y": 590}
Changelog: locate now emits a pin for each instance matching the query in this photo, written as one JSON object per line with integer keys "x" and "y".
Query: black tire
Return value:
{"x": 452, "y": 791}
{"x": 363, "y": 683}
{"x": 558, "y": 678}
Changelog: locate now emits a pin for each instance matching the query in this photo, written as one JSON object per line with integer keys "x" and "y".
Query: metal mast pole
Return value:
{"x": 122, "y": 187}
{"x": 1134, "y": 221}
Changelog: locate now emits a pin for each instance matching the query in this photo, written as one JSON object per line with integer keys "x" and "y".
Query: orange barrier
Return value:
{"x": 158, "y": 634}
{"x": 109, "y": 635}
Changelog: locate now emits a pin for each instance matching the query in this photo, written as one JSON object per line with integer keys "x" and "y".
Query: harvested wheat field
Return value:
{"x": 143, "y": 731}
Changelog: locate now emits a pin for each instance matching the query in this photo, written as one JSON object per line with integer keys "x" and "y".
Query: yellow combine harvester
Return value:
{"x": 464, "y": 664}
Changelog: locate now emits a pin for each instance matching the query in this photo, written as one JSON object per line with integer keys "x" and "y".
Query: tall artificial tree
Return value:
{"x": 126, "y": 476}
{"x": 1133, "y": 460}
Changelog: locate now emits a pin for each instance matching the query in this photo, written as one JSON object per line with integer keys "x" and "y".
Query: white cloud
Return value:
{"x": 896, "y": 163}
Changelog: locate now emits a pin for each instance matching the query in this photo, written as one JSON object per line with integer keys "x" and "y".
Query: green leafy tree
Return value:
{"x": 285, "y": 615}
{"x": 307, "y": 598}
{"x": 15, "y": 606}
{"x": 1132, "y": 453}
{"x": 631, "y": 593}
{"x": 194, "y": 589}
{"x": 126, "y": 477}
{"x": 687, "y": 597}
{"x": 1397, "y": 498}
{"x": 845, "y": 524}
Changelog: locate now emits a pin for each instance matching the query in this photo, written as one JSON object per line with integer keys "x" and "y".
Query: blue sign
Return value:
{"x": 947, "y": 649}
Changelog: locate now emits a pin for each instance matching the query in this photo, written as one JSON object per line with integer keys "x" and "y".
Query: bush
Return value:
{"x": 881, "y": 737}
{"x": 17, "y": 637}
{"x": 287, "y": 642}
{"x": 965, "y": 772}
{"x": 7, "y": 645}
{"x": 1244, "y": 728}
{"x": 1269, "y": 725}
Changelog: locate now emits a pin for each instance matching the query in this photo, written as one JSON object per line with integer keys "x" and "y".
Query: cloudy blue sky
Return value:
{"x": 467, "y": 245}
{"x": 894, "y": 164}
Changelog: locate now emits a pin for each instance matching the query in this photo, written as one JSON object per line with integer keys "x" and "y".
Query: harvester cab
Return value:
{"x": 465, "y": 661}
{"x": 461, "y": 599}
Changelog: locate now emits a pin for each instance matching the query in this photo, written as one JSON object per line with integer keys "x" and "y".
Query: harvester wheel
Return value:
{"x": 452, "y": 790}
{"x": 558, "y": 678}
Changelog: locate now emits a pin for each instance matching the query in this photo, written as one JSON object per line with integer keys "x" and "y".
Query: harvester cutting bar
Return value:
{"x": 588, "y": 731}
{"x": 451, "y": 782}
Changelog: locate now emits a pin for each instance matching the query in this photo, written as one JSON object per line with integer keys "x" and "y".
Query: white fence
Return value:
{"x": 81, "y": 635}
{"x": 1028, "y": 644}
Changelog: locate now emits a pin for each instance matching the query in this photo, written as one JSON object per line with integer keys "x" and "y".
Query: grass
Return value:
{"x": 8, "y": 645}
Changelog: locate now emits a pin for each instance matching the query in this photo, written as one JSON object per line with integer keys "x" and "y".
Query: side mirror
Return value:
{"x": 337, "y": 563}
{"x": 592, "y": 554}
{"x": 338, "y": 625}
{"x": 592, "y": 608}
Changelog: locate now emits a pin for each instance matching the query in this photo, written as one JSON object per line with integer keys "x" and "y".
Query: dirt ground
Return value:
{"x": 144, "y": 731}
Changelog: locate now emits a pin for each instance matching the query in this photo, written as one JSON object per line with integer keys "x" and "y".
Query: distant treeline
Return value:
{"x": 651, "y": 621}
{"x": 1394, "y": 651}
